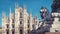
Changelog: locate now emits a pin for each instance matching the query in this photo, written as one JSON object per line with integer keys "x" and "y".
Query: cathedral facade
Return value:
{"x": 19, "y": 22}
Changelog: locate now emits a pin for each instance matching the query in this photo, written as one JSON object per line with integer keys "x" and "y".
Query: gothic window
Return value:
{"x": 21, "y": 15}
{"x": 7, "y": 32}
{"x": 12, "y": 26}
{"x": 20, "y": 22}
{"x": 21, "y": 31}
{"x": 28, "y": 21}
{"x": 7, "y": 26}
{"x": 28, "y": 25}
{"x": 28, "y": 31}
{"x": 12, "y": 20}
{"x": 13, "y": 32}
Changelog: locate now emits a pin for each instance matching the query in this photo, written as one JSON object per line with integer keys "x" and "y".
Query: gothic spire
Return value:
{"x": 30, "y": 12}
{"x": 24, "y": 6}
{"x": 36, "y": 16}
{"x": 3, "y": 15}
{"x": 16, "y": 5}
{"x": 10, "y": 10}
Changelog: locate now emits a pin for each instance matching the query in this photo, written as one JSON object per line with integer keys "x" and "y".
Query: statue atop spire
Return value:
{"x": 3, "y": 15}
{"x": 24, "y": 7}
{"x": 36, "y": 17}
{"x": 16, "y": 5}
{"x": 30, "y": 11}
{"x": 10, "y": 9}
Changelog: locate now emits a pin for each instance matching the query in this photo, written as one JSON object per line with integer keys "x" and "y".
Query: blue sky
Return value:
{"x": 33, "y": 5}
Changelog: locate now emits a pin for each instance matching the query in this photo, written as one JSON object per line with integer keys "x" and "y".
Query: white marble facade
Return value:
{"x": 19, "y": 22}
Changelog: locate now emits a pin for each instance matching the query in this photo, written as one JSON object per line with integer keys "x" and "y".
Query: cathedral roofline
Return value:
{"x": 3, "y": 14}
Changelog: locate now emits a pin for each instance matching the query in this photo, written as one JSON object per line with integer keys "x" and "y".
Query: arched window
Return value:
{"x": 21, "y": 31}
{"x": 21, "y": 15}
{"x": 20, "y": 22}
{"x": 13, "y": 32}
{"x": 28, "y": 21}
{"x": 12, "y": 26}
{"x": 12, "y": 20}
{"x": 7, "y": 31}
{"x": 28, "y": 25}
{"x": 7, "y": 26}
{"x": 28, "y": 31}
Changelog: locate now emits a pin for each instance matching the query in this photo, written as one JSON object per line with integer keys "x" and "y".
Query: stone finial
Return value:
{"x": 3, "y": 14}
